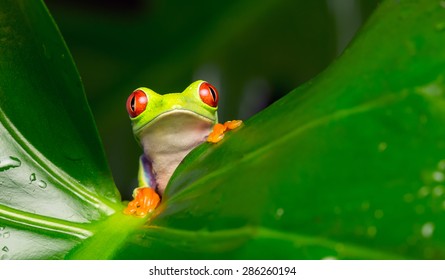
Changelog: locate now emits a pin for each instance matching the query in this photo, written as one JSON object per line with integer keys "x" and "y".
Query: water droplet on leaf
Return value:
{"x": 427, "y": 230}
{"x": 372, "y": 231}
{"x": 32, "y": 177}
{"x": 378, "y": 214}
{"x": 438, "y": 176}
{"x": 432, "y": 90}
{"x": 9, "y": 162}
{"x": 438, "y": 190}
{"x": 382, "y": 146}
{"x": 6, "y": 234}
{"x": 423, "y": 191}
{"x": 42, "y": 184}
{"x": 279, "y": 213}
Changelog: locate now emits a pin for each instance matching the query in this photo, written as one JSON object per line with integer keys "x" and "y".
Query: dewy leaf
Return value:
{"x": 351, "y": 165}
{"x": 53, "y": 175}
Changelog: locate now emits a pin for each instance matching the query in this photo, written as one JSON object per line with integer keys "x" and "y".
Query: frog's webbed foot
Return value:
{"x": 145, "y": 201}
{"x": 219, "y": 129}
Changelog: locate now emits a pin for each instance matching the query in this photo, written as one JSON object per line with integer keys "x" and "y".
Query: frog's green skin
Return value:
{"x": 168, "y": 129}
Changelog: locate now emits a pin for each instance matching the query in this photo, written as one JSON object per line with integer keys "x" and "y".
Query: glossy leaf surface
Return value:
{"x": 53, "y": 175}
{"x": 348, "y": 166}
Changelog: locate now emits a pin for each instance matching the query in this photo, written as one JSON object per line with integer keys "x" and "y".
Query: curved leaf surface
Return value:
{"x": 53, "y": 176}
{"x": 351, "y": 165}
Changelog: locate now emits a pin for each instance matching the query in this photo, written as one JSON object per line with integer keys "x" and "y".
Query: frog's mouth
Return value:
{"x": 176, "y": 122}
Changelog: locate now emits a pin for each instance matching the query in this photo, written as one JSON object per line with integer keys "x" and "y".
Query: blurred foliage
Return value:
{"x": 253, "y": 51}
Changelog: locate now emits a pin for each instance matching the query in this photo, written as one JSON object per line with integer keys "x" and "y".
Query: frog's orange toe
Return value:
{"x": 218, "y": 131}
{"x": 144, "y": 202}
{"x": 233, "y": 124}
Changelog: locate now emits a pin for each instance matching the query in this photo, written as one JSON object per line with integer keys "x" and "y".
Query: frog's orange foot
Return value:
{"x": 145, "y": 201}
{"x": 219, "y": 129}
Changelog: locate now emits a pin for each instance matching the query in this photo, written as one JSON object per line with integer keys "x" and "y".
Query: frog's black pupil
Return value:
{"x": 213, "y": 93}
{"x": 132, "y": 103}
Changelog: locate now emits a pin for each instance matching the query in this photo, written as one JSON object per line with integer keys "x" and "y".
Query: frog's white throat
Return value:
{"x": 169, "y": 139}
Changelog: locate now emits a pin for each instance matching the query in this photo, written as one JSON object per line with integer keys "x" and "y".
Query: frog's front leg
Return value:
{"x": 219, "y": 129}
{"x": 145, "y": 198}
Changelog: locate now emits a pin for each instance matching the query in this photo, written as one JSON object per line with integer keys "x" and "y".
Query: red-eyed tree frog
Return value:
{"x": 168, "y": 127}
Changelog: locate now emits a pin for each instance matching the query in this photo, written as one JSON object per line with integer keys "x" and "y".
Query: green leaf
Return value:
{"x": 348, "y": 166}
{"x": 351, "y": 165}
{"x": 53, "y": 175}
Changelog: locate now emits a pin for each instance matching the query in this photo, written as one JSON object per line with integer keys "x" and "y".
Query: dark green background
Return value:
{"x": 254, "y": 51}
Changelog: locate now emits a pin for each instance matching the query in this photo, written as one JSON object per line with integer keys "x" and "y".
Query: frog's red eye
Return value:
{"x": 208, "y": 94}
{"x": 136, "y": 103}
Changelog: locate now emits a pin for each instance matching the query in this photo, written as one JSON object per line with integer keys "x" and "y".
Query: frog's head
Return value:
{"x": 145, "y": 106}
